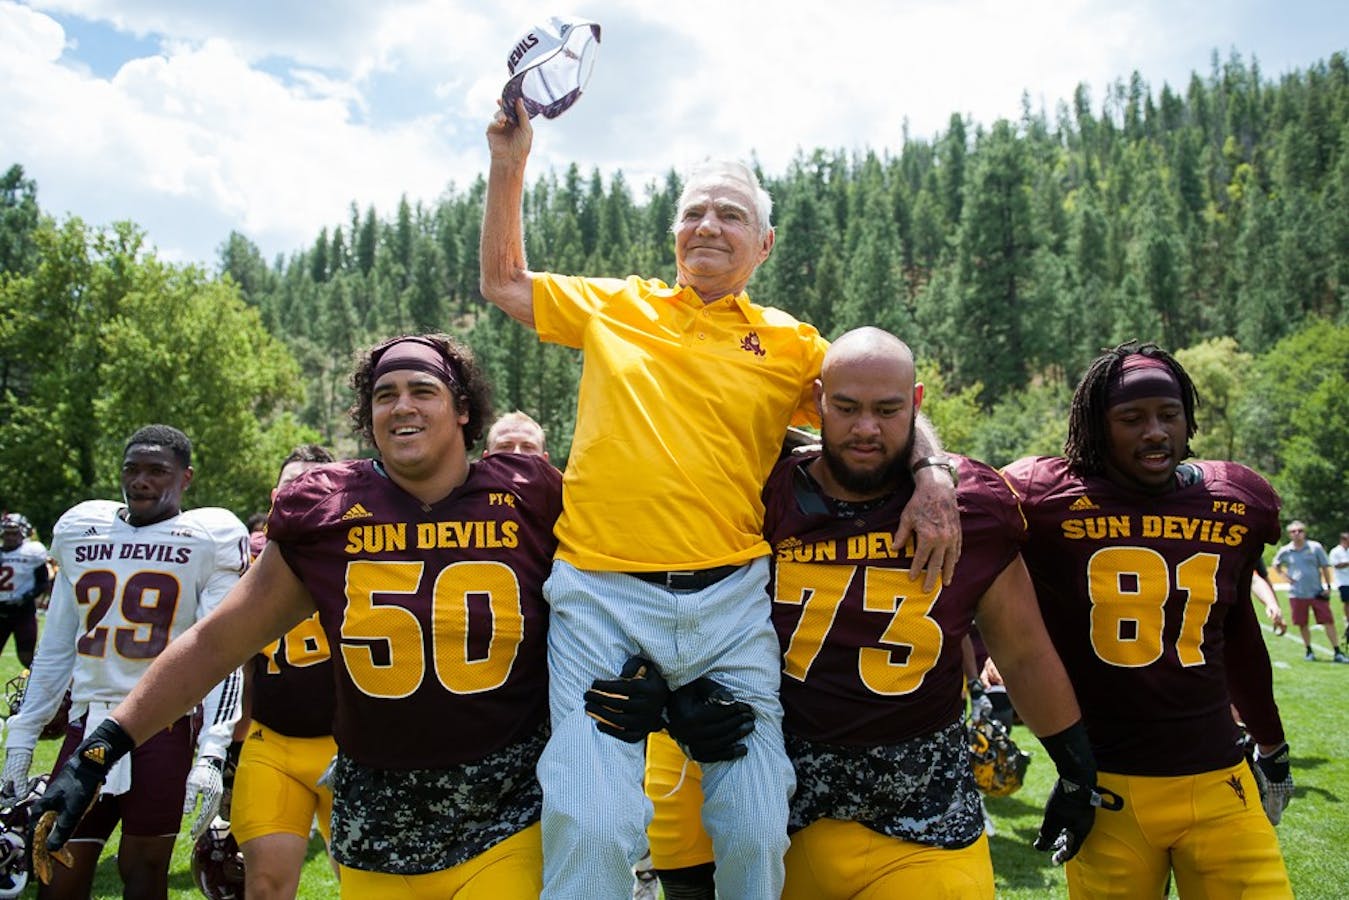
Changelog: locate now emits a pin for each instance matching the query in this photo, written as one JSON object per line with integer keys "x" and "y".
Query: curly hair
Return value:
{"x": 474, "y": 394}
{"x": 1088, "y": 446}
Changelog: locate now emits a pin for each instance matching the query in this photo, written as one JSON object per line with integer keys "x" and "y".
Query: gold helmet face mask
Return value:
{"x": 999, "y": 765}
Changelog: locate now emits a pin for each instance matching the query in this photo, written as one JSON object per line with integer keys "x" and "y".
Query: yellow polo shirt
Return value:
{"x": 680, "y": 418}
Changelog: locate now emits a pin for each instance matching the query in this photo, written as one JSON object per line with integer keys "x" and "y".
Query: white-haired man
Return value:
{"x": 661, "y": 570}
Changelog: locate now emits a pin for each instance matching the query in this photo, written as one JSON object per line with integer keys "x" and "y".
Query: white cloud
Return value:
{"x": 198, "y": 127}
{"x": 271, "y": 116}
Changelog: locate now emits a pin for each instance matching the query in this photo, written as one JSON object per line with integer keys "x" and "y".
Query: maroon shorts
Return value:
{"x": 23, "y": 625}
{"x": 154, "y": 805}
{"x": 1320, "y": 608}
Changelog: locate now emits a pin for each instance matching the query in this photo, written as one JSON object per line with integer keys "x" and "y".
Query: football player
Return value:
{"x": 288, "y": 705}
{"x": 23, "y": 579}
{"x": 133, "y": 577}
{"x": 1142, "y": 566}
{"x": 873, "y": 674}
{"x": 426, "y": 571}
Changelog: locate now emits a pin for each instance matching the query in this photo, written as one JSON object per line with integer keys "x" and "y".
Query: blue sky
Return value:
{"x": 194, "y": 118}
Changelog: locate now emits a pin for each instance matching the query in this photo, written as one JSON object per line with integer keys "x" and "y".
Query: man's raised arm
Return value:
{"x": 503, "y": 278}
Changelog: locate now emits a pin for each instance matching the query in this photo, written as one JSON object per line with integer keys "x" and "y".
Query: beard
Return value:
{"x": 886, "y": 477}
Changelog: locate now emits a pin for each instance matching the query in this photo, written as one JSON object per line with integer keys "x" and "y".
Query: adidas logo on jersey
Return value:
{"x": 1082, "y": 503}
{"x": 357, "y": 512}
{"x": 91, "y": 531}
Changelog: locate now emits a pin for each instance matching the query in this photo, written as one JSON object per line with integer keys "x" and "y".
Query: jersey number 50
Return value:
{"x": 384, "y": 645}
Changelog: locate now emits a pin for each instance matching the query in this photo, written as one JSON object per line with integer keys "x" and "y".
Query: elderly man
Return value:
{"x": 685, "y": 394}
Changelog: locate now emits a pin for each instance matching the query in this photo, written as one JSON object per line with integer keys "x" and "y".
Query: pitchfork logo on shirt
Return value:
{"x": 751, "y": 343}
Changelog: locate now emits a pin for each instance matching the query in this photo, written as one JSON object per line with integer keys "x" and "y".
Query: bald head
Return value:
{"x": 869, "y": 347}
{"x": 867, "y": 398}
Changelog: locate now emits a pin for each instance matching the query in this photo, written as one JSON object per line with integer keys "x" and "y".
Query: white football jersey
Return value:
{"x": 18, "y": 570}
{"x": 121, "y": 594}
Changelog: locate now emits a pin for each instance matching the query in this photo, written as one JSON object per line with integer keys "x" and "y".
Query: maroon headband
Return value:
{"x": 417, "y": 353}
{"x": 1140, "y": 376}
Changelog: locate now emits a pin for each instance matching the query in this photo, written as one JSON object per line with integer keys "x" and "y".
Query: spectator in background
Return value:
{"x": 516, "y": 432}
{"x": 1305, "y": 564}
{"x": 1263, "y": 591}
{"x": 1339, "y": 561}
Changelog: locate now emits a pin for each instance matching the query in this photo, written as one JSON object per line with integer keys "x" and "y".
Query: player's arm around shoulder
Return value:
{"x": 931, "y": 518}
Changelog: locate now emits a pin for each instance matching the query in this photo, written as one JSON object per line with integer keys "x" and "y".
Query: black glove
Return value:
{"x": 1277, "y": 789}
{"x": 1071, "y": 809}
{"x": 73, "y": 790}
{"x": 708, "y": 722}
{"x": 631, "y": 706}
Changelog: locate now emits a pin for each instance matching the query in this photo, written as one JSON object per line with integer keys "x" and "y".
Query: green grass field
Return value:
{"x": 1315, "y": 715}
{"x": 1312, "y": 698}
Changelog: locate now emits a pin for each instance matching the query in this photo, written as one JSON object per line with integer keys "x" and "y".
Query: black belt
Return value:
{"x": 686, "y": 580}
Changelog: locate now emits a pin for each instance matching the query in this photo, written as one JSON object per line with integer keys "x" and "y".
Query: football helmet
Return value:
{"x": 16, "y": 687}
{"x": 14, "y": 693}
{"x": 14, "y": 872}
{"x": 56, "y": 728}
{"x": 999, "y": 765}
{"x": 14, "y": 530}
{"x": 217, "y": 863}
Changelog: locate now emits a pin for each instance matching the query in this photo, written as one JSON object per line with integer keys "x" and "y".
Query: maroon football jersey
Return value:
{"x": 869, "y": 657}
{"x": 292, "y": 678}
{"x": 1141, "y": 595}
{"x": 434, "y": 612}
{"x": 292, "y": 682}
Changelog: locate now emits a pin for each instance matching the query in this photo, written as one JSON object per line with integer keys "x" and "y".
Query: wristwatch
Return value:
{"x": 941, "y": 462}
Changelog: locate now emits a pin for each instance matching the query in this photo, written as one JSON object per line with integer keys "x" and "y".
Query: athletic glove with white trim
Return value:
{"x": 631, "y": 706}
